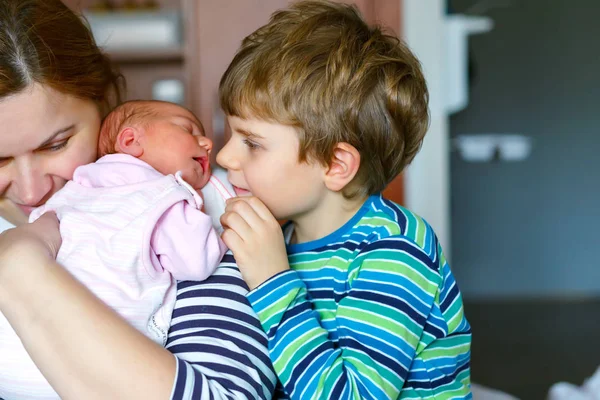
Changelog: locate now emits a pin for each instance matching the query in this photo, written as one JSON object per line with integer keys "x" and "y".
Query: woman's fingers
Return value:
{"x": 46, "y": 228}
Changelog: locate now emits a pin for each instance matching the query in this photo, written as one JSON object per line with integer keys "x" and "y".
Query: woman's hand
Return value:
{"x": 40, "y": 238}
{"x": 32, "y": 244}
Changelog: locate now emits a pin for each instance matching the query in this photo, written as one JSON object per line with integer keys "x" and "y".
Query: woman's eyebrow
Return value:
{"x": 55, "y": 134}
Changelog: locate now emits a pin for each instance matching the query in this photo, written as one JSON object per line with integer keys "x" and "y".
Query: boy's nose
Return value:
{"x": 225, "y": 157}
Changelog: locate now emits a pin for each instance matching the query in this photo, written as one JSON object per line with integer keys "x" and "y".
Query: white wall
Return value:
{"x": 427, "y": 188}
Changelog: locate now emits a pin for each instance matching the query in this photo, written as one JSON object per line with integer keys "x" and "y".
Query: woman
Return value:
{"x": 55, "y": 86}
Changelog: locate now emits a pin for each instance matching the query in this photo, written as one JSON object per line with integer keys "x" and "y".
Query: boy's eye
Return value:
{"x": 4, "y": 161}
{"x": 250, "y": 144}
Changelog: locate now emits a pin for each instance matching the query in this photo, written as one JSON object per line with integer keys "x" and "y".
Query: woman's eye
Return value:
{"x": 56, "y": 146}
{"x": 4, "y": 162}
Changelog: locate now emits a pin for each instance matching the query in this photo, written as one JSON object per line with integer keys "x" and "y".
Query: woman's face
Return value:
{"x": 44, "y": 136}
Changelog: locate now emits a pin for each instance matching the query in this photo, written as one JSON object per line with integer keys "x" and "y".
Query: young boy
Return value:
{"x": 325, "y": 111}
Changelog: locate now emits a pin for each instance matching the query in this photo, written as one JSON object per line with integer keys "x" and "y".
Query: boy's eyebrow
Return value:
{"x": 247, "y": 133}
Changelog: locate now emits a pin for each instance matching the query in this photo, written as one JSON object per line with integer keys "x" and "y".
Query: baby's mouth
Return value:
{"x": 203, "y": 161}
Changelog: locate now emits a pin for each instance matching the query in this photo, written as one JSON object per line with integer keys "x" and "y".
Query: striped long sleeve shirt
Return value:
{"x": 220, "y": 347}
{"x": 371, "y": 311}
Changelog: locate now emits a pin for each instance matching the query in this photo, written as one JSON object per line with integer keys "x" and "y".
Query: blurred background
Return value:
{"x": 508, "y": 175}
{"x": 524, "y": 232}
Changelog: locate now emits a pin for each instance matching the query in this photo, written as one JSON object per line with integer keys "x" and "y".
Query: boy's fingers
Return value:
{"x": 235, "y": 222}
{"x": 232, "y": 200}
{"x": 260, "y": 208}
{"x": 254, "y": 202}
{"x": 246, "y": 211}
{"x": 231, "y": 203}
{"x": 231, "y": 239}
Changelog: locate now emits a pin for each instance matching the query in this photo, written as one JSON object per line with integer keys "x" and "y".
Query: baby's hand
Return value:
{"x": 255, "y": 238}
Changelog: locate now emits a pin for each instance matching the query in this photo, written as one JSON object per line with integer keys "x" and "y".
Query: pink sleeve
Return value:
{"x": 186, "y": 244}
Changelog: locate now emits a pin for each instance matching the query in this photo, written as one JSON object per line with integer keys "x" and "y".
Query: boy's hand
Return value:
{"x": 255, "y": 238}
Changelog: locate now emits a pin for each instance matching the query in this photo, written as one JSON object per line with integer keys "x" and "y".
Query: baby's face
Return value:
{"x": 174, "y": 141}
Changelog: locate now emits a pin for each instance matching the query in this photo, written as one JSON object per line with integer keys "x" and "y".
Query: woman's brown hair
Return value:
{"x": 44, "y": 42}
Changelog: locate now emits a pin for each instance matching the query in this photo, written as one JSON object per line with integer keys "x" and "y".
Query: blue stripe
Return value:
{"x": 209, "y": 310}
{"x": 439, "y": 382}
{"x": 380, "y": 357}
{"x": 449, "y": 298}
{"x": 306, "y": 362}
{"x": 223, "y": 327}
{"x": 221, "y": 352}
{"x": 179, "y": 389}
{"x": 399, "y": 305}
{"x": 435, "y": 331}
{"x": 403, "y": 246}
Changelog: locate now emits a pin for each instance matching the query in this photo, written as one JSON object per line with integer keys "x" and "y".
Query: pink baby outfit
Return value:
{"x": 128, "y": 233}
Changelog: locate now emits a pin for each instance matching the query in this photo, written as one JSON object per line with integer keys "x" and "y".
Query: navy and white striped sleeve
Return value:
{"x": 220, "y": 346}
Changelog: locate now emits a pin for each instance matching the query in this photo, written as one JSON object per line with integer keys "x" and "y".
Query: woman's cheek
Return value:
{"x": 82, "y": 153}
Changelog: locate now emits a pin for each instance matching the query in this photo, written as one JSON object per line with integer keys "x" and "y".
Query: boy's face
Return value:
{"x": 174, "y": 141}
{"x": 262, "y": 160}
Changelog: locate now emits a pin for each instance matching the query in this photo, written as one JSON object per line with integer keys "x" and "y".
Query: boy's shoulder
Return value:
{"x": 386, "y": 219}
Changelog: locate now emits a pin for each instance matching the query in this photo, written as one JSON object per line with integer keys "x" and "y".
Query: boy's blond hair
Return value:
{"x": 319, "y": 67}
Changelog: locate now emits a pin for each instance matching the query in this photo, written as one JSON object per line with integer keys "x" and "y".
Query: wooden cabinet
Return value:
{"x": 142, "y": 67}
{"x": 212, "y": 32}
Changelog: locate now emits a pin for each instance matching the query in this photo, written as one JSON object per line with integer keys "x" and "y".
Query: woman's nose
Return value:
{"x": 33, "y": 185}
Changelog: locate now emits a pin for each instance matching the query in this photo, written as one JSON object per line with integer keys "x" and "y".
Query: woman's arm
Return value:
{"x": 82, "y": 347}
{"x": 80, "y": 344}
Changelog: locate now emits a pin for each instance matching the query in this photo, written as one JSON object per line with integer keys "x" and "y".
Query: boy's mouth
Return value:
{"x": 241, "y": 192}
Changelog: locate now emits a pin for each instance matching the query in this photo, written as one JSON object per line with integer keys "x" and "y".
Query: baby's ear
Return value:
{"x": 343, "y": 167}
{"x": 128, "y": 142}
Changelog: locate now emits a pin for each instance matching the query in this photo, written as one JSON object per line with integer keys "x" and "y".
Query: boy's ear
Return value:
{"x": 343, "y": 167}
{"x": 128, "y": 142}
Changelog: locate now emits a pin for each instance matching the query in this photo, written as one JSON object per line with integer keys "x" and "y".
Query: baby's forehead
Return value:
{"x": 173, "y": 110}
